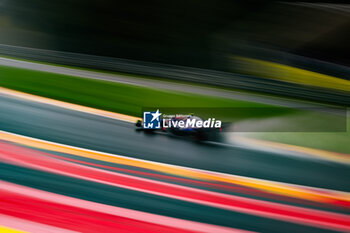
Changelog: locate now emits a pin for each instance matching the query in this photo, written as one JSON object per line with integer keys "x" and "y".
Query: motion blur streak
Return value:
{"x": 42, "y": 161}
{"x": 308, "y": 193}
{"x": 21, "y": 195}
{"x": 22, "y": 225}
{"x": 76, "y": 78}
{"x": 8, "y": 230}
{"x": 327, "y": 155}
{"x": 61, "y": 104}
{"x": 219, "y": 186}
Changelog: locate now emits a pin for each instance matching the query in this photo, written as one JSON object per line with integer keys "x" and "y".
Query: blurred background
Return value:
{"x": 264, "y": 39}
{"x": 76, "y": 75}
{"x": 197, "y": 33}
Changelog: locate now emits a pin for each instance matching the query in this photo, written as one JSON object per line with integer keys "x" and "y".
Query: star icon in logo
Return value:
{"x": 156, "y": 115}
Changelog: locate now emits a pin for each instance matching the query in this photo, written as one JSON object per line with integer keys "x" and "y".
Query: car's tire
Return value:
{"x": 138, "y": 123}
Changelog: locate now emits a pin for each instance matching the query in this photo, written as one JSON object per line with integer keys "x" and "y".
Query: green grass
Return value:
{"x": 117, "y": 97}
{"x": 140, "y": 76}
{"x": 129, "y": 99}
{"x": 331, "y": 141}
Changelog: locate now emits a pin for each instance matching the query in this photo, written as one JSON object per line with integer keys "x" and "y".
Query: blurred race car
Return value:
{"x": 189, "y": 130}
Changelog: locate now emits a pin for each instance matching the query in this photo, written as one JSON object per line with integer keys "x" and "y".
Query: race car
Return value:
{"x": 182, "y": 126}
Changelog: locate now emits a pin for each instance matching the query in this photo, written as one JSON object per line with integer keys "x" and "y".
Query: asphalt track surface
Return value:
{"x": 98, "y": 133}
{"x": 102, "y": 134}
